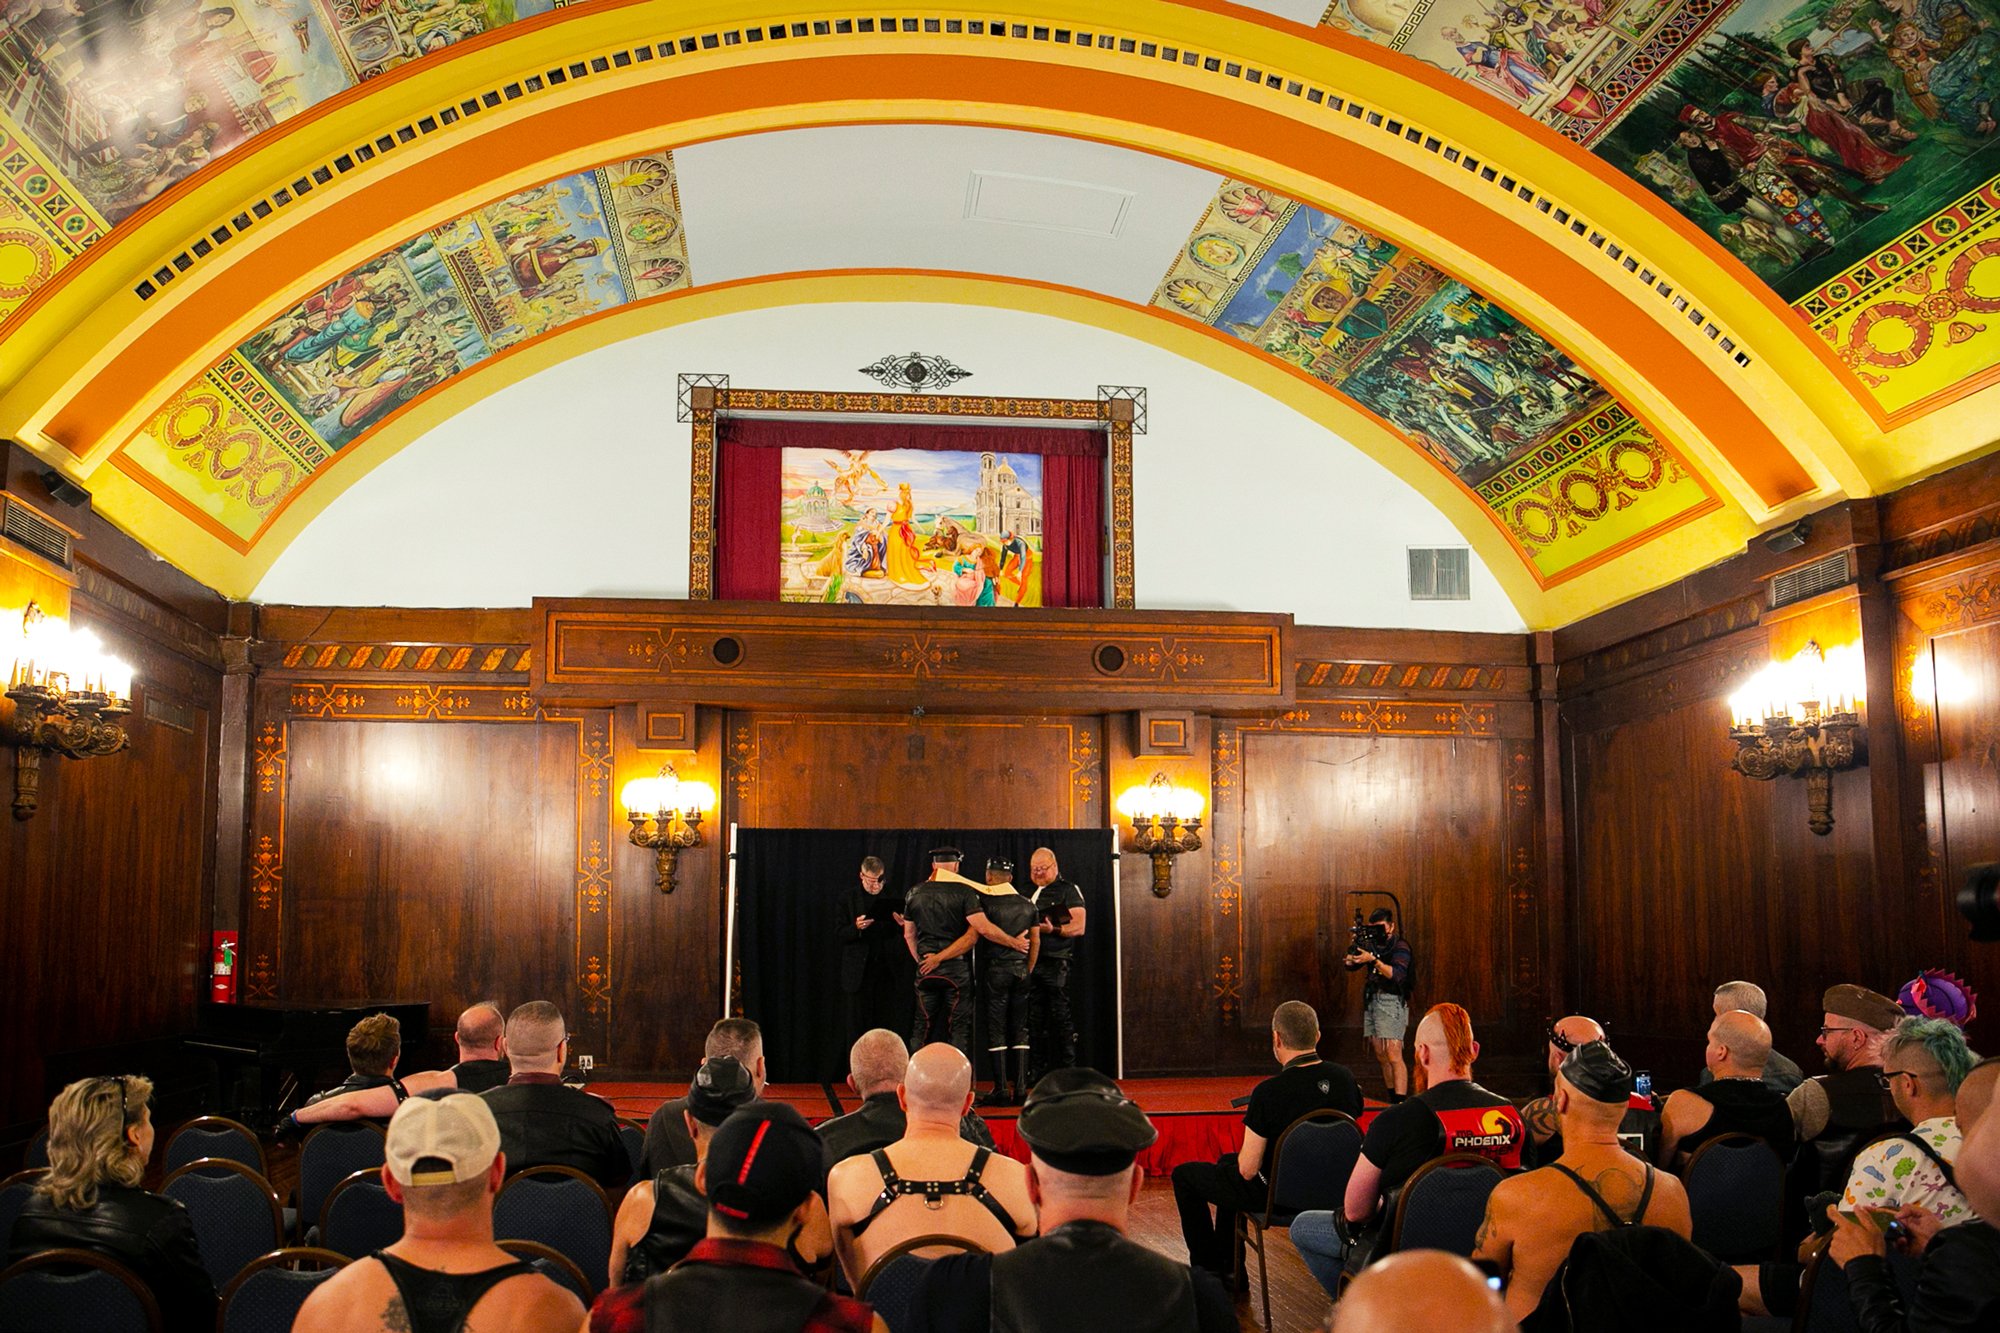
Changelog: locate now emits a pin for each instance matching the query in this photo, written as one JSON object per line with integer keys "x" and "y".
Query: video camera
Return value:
{"x": 1370, "y": 936}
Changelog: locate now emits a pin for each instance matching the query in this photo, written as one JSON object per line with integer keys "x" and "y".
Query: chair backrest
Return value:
{"x": 330, "y": 1155}
{"x": 1442, "y": 1203}
{"x": 1824, "y": 1303}
{"x": 1736, "y": 1196}
{"x": 76, "y": 1291}
{"x": 14, "y": 1192}
{"x": 214, "y": 1136}
{"x": 891, "y": 1282}
{"x": 359, "y": 1217}
{"x": 37, "y": 1152}
{"x": 265, "y": 1297}
{"x": 234, "y": 1210}
{"x": 1311, "y": 1162}
{"x": 634, "y": 1139}
{"x": 551, "y": 1264}
{"x": 565, "y": 1210}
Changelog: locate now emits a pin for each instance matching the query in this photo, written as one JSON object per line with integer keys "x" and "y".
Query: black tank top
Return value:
{"x": 1617, "y": 1222}
{"x": 439, "y": 1302}
{"x": 1744, "y": 1106}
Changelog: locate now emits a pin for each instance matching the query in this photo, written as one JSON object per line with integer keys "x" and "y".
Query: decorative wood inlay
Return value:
{"x": 1610, "y": 663}
{"x": 829, "y": 658}
{"x": 389, "y": 658}
{"x": 1972, "y": 600}
{"x": 1123, "y": 577}
{"x": 1405, "y": 676}
{"x": 149, "y": 617}
{"x": 1946, "y": 539}
{"x": 1395, "y": 717}
{"x": 1522, "y": 880}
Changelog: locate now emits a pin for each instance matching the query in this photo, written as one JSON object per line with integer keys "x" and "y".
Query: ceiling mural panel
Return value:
{"x": 1808, "y": 137}
{"x": 43, "y": 223}
{"x": 237, "y": 444}
{"x": 1566, "y": 469}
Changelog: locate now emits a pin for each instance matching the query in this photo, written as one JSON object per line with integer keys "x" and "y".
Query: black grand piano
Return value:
{"x": 271, "y": 1057}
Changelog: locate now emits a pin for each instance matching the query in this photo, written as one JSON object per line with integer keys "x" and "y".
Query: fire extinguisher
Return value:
{"x": 222, "y": 984}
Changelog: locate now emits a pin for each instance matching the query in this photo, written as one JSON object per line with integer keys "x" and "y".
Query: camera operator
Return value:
{"x": 1381, "y": 951}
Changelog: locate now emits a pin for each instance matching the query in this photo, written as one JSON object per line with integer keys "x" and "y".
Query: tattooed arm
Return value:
{"x": 1494, "y": 1242}
{"x": 1541, "y": 1118}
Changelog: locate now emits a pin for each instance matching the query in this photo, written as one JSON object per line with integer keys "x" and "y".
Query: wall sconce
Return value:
{"x": 69, "y": 696}
{"x": 1802, "y": 719}
{"x": 674, "y": 809}
{"x": 1165, "y": 820}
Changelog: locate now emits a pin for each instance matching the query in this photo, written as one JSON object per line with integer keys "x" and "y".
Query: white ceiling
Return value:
{"x": 1299, "y": 11}
{"x": 1055, "y": 210}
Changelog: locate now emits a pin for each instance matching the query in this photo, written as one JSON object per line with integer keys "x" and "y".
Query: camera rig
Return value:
{"x": 1370, "y": 937}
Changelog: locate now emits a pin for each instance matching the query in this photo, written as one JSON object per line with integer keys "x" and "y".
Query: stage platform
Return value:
{"x": 1196, "y": 1121}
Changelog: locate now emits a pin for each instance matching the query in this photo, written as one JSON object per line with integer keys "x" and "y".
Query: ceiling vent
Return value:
{"x": 1440, "y": 574}
{"x": 1796, "y": 585}
{"x": 45, "y": 538}
{"x": 1042, "y": 201}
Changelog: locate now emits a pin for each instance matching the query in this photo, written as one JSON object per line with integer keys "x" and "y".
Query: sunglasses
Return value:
{"x": 124, "y": 1112}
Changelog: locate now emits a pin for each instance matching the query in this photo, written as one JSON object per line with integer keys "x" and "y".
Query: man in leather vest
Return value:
{"x": 1003, "y": 983}
{"x": 543, "y": 1123}
{"x": 444, "y": 1167}
{"x": 762, "y": 1178}
{"x": 1838, "y": 1112}
{"x": 876, "y": 1065}
{"x": 1083, "y": 1272}
{"x": 662, "y": 1218}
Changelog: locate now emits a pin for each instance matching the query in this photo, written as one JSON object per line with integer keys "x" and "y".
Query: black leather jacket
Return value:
{"x": 149, "y": 1234}
{"x": 1958, "y": 1285}
{"x": 542, "y": 1123}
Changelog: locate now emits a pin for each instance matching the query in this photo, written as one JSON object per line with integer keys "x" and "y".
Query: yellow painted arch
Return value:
{"x": 235, "y": 573}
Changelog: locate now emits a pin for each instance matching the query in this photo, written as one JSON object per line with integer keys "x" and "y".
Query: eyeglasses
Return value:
{"x": 1885, "y": 1075}
{"x": 1829, "y": 1031}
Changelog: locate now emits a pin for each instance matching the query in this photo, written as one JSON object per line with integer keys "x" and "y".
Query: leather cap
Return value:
{"x": 1079, "y": 1121}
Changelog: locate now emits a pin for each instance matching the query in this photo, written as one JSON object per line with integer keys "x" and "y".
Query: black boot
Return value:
{"x": 997, "y": 1097}
{"x": 1018, "y": 1060}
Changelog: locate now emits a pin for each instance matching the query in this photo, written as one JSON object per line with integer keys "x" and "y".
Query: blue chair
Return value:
{"x": 553, "y": 1265}
{"x": 891, "y": 1282}
{"x": 14, "y": 1192}
{"x": 1736, "y": 1196}
{"x": 37, "y": 1152}
{"x": 562, "y": 1208}
{"x": 234, "y": 1210}
{"x": 359, "y": 1217}
{"x": 214, "y": 1136}
{"x": 634, "y": 1139}
{"x": 1824, "y": 1305}
{"x": 75, "y": 1291}
{"x": 1309, "y": 1167}
{"x": 1442, "y": 1204}
{"x": 330, "y": 1155}
{"x": 265, "y": 1297}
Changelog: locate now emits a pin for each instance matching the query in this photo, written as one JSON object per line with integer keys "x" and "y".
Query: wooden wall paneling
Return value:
{"x": 440, "y": 841}
{"x": 665, "y": 965}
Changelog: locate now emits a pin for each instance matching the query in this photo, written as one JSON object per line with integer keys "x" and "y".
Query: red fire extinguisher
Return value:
{"x": 222, "y": 985}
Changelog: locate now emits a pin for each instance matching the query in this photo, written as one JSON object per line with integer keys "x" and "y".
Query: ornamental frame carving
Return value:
{"x": 281, "y": 702}
{"x": 709, "y": 402}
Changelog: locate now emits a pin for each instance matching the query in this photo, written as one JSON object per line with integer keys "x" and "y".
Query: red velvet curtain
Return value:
{"x": 747, "y": 494}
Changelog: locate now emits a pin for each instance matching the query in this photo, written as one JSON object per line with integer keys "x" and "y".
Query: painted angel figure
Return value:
{"x": 848, "y": 475}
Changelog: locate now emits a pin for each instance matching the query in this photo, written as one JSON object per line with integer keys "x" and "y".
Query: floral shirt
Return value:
{"x": 1895, "y": 1172}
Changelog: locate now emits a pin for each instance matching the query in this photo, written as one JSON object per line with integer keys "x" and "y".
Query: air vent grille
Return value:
{"x": 1796, "y": 585}
{"x": 1440, "y": 574}
{"x": 30, "y": 529}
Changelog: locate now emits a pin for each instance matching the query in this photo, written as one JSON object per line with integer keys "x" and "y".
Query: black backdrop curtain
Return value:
{"x": 788, "y": 888}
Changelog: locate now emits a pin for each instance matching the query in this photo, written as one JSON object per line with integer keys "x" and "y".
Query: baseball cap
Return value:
{"x": 442, "y": 1142}
{"x": 720, "y": 1086}
{"x": 762, "y": 1163}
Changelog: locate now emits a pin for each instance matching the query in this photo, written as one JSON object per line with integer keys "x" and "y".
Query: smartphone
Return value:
{"x": 1642, "y": 1083}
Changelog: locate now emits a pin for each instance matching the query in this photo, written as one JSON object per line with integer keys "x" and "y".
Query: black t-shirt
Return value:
{"x": 1057, "y": 893}
{"x": 1410, "y": 1133}
{"x": 1285, "y": 1096}
{"x": 939, "y": 907}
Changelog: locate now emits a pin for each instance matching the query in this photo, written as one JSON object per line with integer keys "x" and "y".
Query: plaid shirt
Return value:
{"x": 623, "y": 1309}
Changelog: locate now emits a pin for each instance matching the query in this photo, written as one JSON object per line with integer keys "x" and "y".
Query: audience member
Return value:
{"x": 1639, "y": 1131}
{"x": 1452, "y": 1114}
{"x": 931, "y": 1181}
{"x": 661, "y": 1219}
{"x": 1531, "y": 1220}
{"x": 444, "y": 1165}
{"x": 374, "y": 1045}
{"x": 482, "y": 1064}
{"x": 1958, "y": 1274}
{"x": 1236, "y": 1183}
{"x": 762, "y": 1178}
{"x": 1780, "y": 1071}
{"x": 1083, "y": 1272}
{"x": 543, "y": 1123}
{"x": 667, "y": 1140}
{"x": 1736, "y": 1100}
{"x": 875, "y": 1068}
{"x": 100, "y": 1139}
{"x": 1839, "y": 1111}
{"x": 1978, "y": 1165}
{"x": 1420, "y": 1291}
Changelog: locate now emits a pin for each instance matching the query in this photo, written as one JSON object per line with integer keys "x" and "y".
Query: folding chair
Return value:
{"x": 234, "y": 1210}
{"x": 330, "y": 1155}
{"x": 1442, "y": 1204}
{"x": 891, "y": 1282}
{"x": 552, "y": 1264}
{"x": 46, "y": 1292}
{"x": 265, "y": 1297}
{"x": 217, "y": 1137}
{"x": 359, "y": 1217}
{"x": 565, "y": 1210}
{"x": 1310, "y": 1163}
{"x": 1736, "y": 1195}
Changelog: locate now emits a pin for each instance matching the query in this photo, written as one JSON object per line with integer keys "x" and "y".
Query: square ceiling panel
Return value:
{"x": 946, "y": 198}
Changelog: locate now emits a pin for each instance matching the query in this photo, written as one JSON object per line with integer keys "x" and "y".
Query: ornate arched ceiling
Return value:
{"x": 1564, "y": 353}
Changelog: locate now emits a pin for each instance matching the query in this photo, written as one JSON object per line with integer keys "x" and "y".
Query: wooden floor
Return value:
{"x": 1297, "y": 1302}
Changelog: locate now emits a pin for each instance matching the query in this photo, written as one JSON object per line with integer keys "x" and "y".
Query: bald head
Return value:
{"x": 1420, "y": 1291}
{"x": 937, "y": 1082}
{"x": 479, "y": 1031}
{"x": 877, "y": 1061}
{"x": 1739, "y": 1042}
{"x": 1577, "y": 1030}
